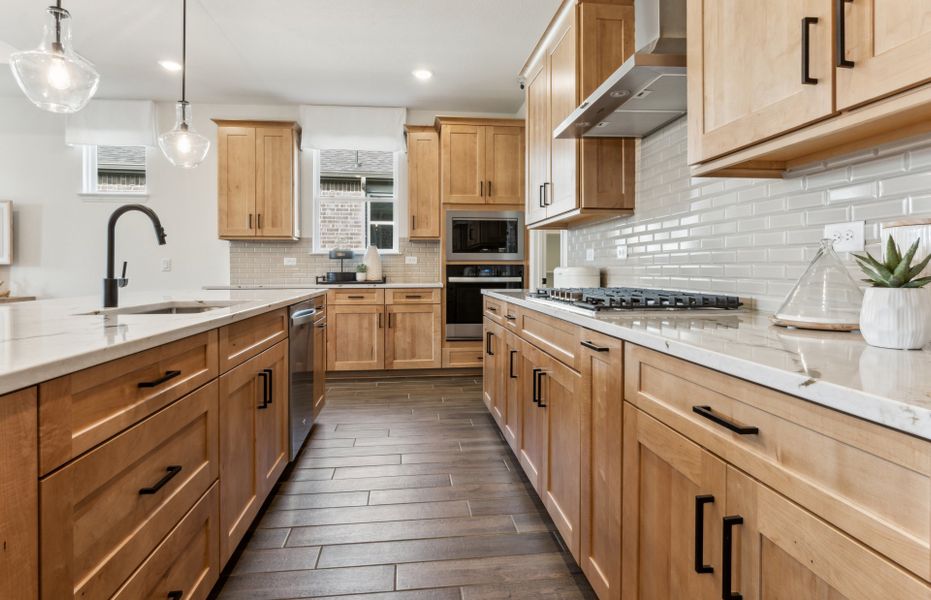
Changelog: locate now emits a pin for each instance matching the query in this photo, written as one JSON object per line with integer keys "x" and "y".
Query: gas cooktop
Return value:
{"x": 596, "y": 300}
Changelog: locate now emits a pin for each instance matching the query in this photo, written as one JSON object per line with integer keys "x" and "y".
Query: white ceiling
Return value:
{"x": 343, "y": 52}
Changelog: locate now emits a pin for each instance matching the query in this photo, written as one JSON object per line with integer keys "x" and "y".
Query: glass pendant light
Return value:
{"x": 53, "y": 76}
{"x": 182, "y": 146}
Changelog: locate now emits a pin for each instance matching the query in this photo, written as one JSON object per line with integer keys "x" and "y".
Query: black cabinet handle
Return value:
{"x": 271, "y": 382}
{"x": 481, "y": 188}
{"x": 546, "y": 196}
{"x": 807, "y": 79}
{"x": 540, "y": 389}
{"x": 493, "y": 309}
{"x": 511, "y": 365}
{"x": 510, "y": 317}
{"x": 489, "y": 188}
{"x": 250, "y": 220}
{"x": 259, "y": 220}
{"x": 592, "y": 346}
{"x": 175, "y": 595}
{"x": 700, "y": 502}
{"x": 706, "y": 412}
{"x": 840, "y": 35}
{"x": 727, "y": 558}
{"x": 172, "y": 471}
{"x": 488, "y": 336}
{"x": 169, "y": 375}
{"x": 263, "y": 375}
{"x": 541, "y": 197}
{"x": 413, "y": 296}
{"x": 536, "y": 386}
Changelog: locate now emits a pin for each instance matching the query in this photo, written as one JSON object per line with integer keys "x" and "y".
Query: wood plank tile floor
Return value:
{"x": 405, "y": 491}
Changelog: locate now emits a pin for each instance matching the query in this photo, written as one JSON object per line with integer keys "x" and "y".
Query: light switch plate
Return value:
{"x": 622, "y": 251}
{"x": 410, "y": 260}
{"x": 166, "y": 265}
{"x": 848, "y": 237}
{"x": 290, "y": 261}
{"x": 590, "y": 254}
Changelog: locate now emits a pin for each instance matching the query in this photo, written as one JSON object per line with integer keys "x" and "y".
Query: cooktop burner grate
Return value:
{"x": 599, "y": 299}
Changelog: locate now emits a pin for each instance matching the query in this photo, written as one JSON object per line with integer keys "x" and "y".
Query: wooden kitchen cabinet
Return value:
{"x": 253, "y": 440}
{"x": 493, "y": 372}
{"x": 412, "y": 336}
{"x": 539, "y": 137}
{"x": 19, "y": 496}
{"x": 532, "y": 435}
{"x": 423, "y": 168}
{"x": 602, "y": 396}
{"x": 355, "y": 337}
{"x": 482, "y": 161}
{"x": 512, "y": 389}
{"x": 673, "y": 498}
{"x": 258, "y": 186}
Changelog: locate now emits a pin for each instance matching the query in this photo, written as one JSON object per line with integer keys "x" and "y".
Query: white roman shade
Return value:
{"x": 112, "y": 123}
{"x": 352, "y": 128}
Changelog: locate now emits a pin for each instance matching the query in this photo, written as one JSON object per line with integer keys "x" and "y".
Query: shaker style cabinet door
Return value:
{"x": 355, "y": 338}
{"x": 538, "y": 143}
{"x": 886, "y": 45}
{"x": 236, "y": 181}
{"x": 412, "y": 336}
{"x": 756, "y": 70}
{"x": 463, "y": 151}
{"x": 274, "y": 208}
{"x": 504, "y": 165}
{"x": 561, "y": 193}
{"x": 511, "y": 389}
{"x": 272, "y": 443}
{"x": 423, "y": 164}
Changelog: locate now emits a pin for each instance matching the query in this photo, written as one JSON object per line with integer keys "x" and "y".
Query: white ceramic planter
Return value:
{"x": 361, "y": 276}
{"x": 897, "y": 318}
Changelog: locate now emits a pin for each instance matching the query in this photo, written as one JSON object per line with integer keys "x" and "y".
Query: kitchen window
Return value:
{"x": 114, "y": 170}
{"x": 354, "y": 201}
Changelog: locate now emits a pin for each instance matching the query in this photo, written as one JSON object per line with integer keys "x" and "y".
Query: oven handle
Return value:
{"x": 485, "y": 279}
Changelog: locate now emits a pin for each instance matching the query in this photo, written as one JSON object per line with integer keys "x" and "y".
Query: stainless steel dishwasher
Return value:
{"x": 306, "y": 372}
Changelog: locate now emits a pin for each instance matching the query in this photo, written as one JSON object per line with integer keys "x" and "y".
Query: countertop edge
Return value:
{"x": 857, "y": 403}
{"x": 324, "y": 286}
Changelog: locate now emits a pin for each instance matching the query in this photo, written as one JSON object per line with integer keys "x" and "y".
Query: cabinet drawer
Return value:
{"x": 188, "y": 561}
{"x": 554, "y": 336}
{"x": 412, "y": 296}
{"x": 80, "y": 410}
{"x": 494, "y": 309}
{"x": 104, "y": 513}
{"x": 355, "y": 296}
{"x": 454, "y": 358}
{"x": 241, "y": 341}
{"x": 842, "y": 468}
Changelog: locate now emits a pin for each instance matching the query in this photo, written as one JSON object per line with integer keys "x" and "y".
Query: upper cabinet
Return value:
{"x": 482, "y": 161}
{"x": 423, "y": 168}
{"x": 575, "y": 181}
{"x": 832, "y": 77}
{"x": 258, "y": 179}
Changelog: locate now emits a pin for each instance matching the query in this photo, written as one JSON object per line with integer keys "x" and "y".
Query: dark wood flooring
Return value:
{"x": 405, "y": 491}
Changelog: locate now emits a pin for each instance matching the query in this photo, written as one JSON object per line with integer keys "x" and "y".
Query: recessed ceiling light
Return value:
{"x": 423, "y": 74}
{"x": 170, "y": 65}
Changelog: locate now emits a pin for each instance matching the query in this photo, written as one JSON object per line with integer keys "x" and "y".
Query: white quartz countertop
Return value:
{"x": 837, "y": 370}
{"x": 326, "y": 286}
{"x": 45, "y": 339}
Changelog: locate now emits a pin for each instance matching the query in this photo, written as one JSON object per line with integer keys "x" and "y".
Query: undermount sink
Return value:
{"x": 175, "y": 307}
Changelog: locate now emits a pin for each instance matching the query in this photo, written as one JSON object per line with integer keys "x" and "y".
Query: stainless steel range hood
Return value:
{"x": 649, "y": 89}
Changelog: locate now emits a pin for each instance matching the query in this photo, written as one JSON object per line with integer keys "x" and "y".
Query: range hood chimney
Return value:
{"x": 649, "y": 89}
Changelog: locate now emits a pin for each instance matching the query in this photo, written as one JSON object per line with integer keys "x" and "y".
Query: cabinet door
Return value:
{"x": 19, "y": 496}
{"x": 602, "y": 403}
{"x": 274, "y": 175}
{"x": 745, "y": 71}
{"x": 504, "y": 165}
{"x": 532, "y": 420}
{"x": 272, "y": 428}
{"x": 561, "y": 194}
{"x": 558, "y": 394}
{"x": 538, "y": 143}
{"x": 355, "y": 338}
{"x": 666, "y": 482}
{"x": 889, "y": 42}
{"x": 236, "y": 181}
{"x": 412, "y": 339}
{"x": 423, "y": 165}
{"x": 241, "y": 394}
{"x": 463, "y": 164}
{"x": 511, "y": 391}
{"x": 490, "y": 366}
{"x": 780, "y": 551}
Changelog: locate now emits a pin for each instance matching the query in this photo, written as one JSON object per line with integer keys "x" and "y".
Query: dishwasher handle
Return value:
{"x": 301, "y": 317}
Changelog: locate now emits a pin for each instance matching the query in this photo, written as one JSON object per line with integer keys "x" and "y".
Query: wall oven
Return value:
{"x": 484, "y": 236}
{"x": 464, "y": 285}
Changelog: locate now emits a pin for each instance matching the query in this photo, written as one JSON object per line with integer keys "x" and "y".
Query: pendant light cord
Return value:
{"x": 183, "y": 52}
{"x": 58, "y": 23}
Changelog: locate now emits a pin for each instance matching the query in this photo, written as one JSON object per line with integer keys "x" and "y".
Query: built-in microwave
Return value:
{"x": 484, "y": 235}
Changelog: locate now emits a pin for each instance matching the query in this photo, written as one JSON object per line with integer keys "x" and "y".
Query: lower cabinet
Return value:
{"x": 412, "y": 338}
{"x": 355, "y": 338}
{"x": 19, "y": 496}
{"x": 493, "y": 373}
{"x": 253, "y": 440}
{"x": 511, "y": 390}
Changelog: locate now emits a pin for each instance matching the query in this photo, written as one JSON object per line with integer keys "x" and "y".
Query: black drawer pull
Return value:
{"x": 356, "y": 297}
{"x": 592, "y": 346}
{"x": 840, "y": 35}
{"x": 539, "y": 376}
{"x": 700, "y": 502}
{"x": 414, "y": 296}
{"x": 510, "y": 317}
{"x": 263, "y": 375}
{"x": 511, "y": 365}
{"x": 172, "y": 471}
{"x": 169, "y": 375}
{"x": 807, "y": 22}
{"x": 536, "y": 386}
{"x": 727, "y": 566}
{"x": 488, "y": 336}
{"x": 492, "y": 309}
{"x": 541, "y": 197}
{"x": 705, "y": 411}
{"x": 175, "y": 595}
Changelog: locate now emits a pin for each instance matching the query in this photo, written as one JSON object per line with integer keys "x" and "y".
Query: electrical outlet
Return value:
{"x": 622, "y": 251}
{"x": 410, "y": 260}
{"x": 166, "y": 265}
{"x": 848, "y": 237}
{"x": 290, "y": 261}
{"x": 590, "y": 254}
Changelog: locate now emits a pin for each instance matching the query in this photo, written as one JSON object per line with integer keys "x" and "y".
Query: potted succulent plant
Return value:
{"x": 896, "y": 309}
{"x": 361, "y": 270}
